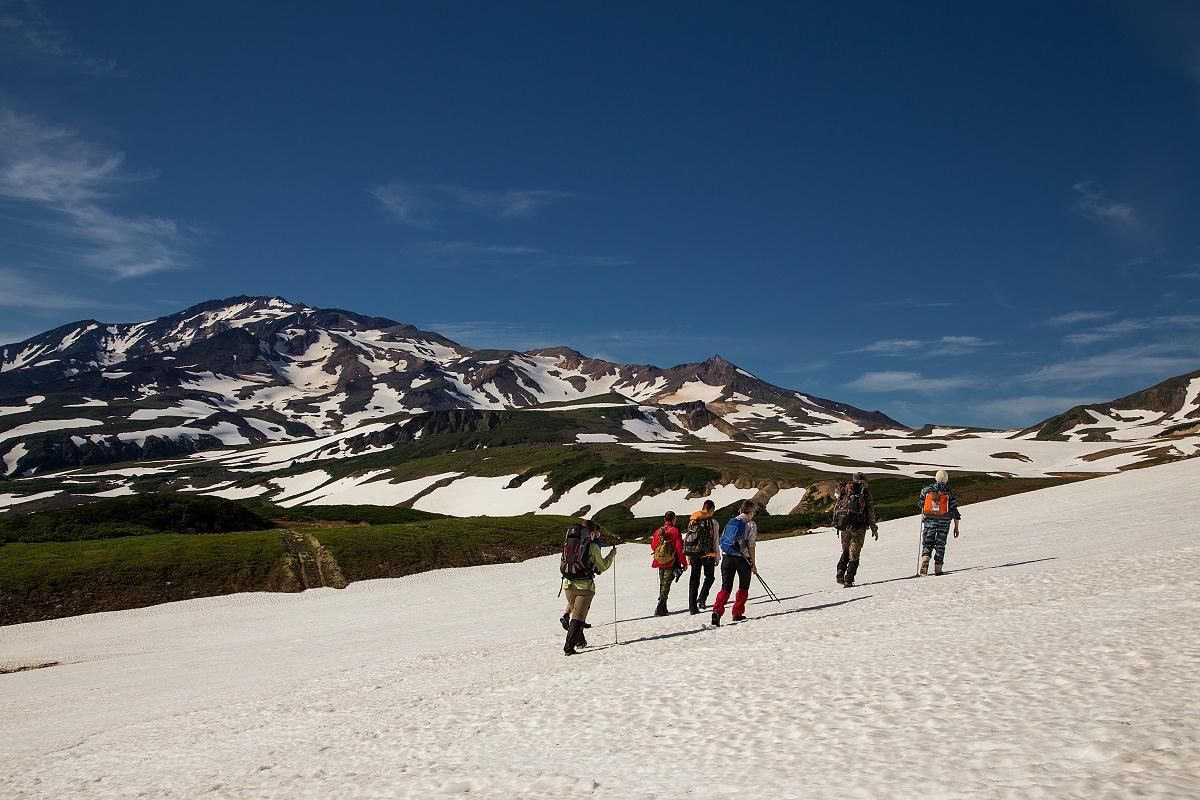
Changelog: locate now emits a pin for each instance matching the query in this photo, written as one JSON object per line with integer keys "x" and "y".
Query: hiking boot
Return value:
{"x": 924, "y": 570}
{"x": 937, "y": 568}
{"x": 848, "y": 584}
{"x": 702, "y": 604}
{"x": 693, "y": 610}
{"x": 574, "y": 634}
{"x": 565, "y": 619}
{"x": 841, "y": 577}
{"x": 739, "y": 618}
{"x": 661, "y": 609}
{"x": 716, "y": 620}
{"x": 581, "y": 640}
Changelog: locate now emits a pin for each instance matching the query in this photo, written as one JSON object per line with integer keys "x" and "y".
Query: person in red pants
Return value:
{"x": 737, "y": 559}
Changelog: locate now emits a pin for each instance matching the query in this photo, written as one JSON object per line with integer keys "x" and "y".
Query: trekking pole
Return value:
{"x": 920, "y": 542}
{"x": 770, "y": 593}
{"x": 616, "y": 639}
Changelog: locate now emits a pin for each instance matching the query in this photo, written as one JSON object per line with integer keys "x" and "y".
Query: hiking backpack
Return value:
{"x": 850, "y": 514}
{"x": 575, "y": 563}
{"x": 697, "y": 541}
{"x": 733, "y": 537}
{"x": 937, "y": 504}
{"x": 664, "y": 551}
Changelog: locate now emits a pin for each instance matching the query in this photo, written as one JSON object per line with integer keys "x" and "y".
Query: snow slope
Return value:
{"x": 1057, "y": 659}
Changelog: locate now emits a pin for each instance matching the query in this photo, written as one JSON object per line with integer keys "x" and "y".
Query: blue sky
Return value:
{"x": 950, "y": 212}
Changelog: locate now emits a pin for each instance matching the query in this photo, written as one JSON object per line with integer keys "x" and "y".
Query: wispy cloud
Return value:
{"x": 897, "y": 381}
{"x": 1093, "y": 204}
{"x": 1186, "y": 276}
{"x": 73, "y": 182}
{"x": 1124, "y": 327}
{"x": 472, "y": 249}
{"x": 1159, "y": 360}
{"x": 420, "y": 205}
{"x": 927, "y": 348}
{"x": 1076, "y": 317}
{"x": 1029, "y": 409}
{"x": 28, "y": 34}
{"x": 17, "y": 291}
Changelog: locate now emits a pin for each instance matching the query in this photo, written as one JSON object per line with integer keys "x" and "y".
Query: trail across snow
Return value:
{"x": 1057, "y": 659}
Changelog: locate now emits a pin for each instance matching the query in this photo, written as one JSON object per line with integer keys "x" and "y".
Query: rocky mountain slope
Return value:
{"x": 264, "y": 400}
{"x": 252, "y": 370}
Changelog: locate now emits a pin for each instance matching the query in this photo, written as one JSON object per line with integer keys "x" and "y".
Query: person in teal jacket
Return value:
{"x": 581, "y": 562}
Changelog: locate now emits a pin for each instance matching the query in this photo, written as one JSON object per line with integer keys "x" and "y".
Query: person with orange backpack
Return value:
{"x": 939, "y": 507}
{"x": 581, "y": 562}
{"x": 702, "y": 546}
{"x": 669, "y": 559}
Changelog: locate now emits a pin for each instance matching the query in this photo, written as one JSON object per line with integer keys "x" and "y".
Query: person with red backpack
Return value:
{"x": 669, "y": 559}
{"x": 702, "y": 546}
{"x": 737, "y": 560}
{"x": 853, "y": 513}
{"x": 581, "y": 562}
{"x": 939, "y": 507}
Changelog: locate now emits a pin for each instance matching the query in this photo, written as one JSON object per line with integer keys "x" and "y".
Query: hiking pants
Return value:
{"x": 696, "y": 595}
{"x": 933, "y": 538}
{"x": 665, "y": 576}
{"x": 733, "y": 566}
{"x": 852, "y": 542}
{"x": 578, "y": 603}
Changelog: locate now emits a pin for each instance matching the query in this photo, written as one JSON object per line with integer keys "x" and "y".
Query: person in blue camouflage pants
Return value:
{"x": 935, "y": 527}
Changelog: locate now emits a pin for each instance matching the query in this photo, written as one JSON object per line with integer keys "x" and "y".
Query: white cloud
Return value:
{"x": 928, "y": 348}
{"x": 1093, "y": 204}
{"x": 1025, "y": 411}
{"x": 27, "y": 33}
{"x": 897, "y": 381}
{"x": 420, "y": 205}
{"x": 1186, "y": 276}
{"x": 1124, "y": 327}
{"x": 72, "y": 181}
{"x": 1159, "y": 360}
{"x": 17, "y": 291}
{"x": 1076, "y": 317}
{"x": 472, "y": 249}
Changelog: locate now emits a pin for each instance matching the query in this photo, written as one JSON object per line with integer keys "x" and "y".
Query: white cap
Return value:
{"x": 942, "y": 476}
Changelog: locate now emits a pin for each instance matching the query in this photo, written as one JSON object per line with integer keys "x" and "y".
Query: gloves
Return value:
{"x": 678, "y": 572}
{"x": 875, "y": 532}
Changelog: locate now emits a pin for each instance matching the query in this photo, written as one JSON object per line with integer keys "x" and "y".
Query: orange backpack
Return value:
{"x": 937, "y": 503}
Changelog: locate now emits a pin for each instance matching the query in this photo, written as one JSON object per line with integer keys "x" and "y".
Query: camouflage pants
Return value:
{"x": 852, "y": 543}
{"x": 665, "y": 576}
{"x": 933, "y": 539}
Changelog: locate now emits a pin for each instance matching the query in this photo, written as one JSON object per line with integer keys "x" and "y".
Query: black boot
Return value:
{"x": 574, "y": 633}
{"x": 661, "y": 609}
{"x": 565, "y": 619}
{"x": 716, "y": 620}
{"x": 851, "y": 571}
{"x": 841, "y": 566}
{"x": 841, "y": 574}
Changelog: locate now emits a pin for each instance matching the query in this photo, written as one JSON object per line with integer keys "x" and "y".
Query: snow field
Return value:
{"x": 1055, "y": 660}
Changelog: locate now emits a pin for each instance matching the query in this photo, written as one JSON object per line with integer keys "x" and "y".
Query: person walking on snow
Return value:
{"x": 939, "y": 507}
{"x": 854, "y": 512}
{"x": 581, "y": 562}
{"x": 669, "y": 560}
{"x": 702, "y": 544}
{"x": 737, "y": 560}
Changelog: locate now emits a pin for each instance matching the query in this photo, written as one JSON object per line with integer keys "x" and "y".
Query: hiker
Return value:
{"x": 581, "y": 562}
{"x": 702, "y": 545}
{"x": 854, "y": 512}
{"x": 737, "y": 559}
{"x": 939, "y": 507}
{"x": 669, "y": 560}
